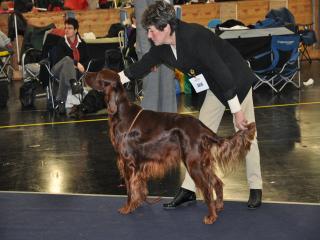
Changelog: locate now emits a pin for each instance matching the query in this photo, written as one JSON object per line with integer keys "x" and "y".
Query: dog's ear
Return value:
{"x": 116, "y": 83}
{"x": 113, "y": 88}
{"x": 111, "y": 99}
{"x": 94, "y": 80}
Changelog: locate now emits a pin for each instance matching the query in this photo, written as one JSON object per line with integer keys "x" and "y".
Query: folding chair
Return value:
{"x": 32, "y": 54}
{"x": 32, "y": 45}
{"x": 6, "y": 68}
{"x": 6, "y": 71}
{"x": 284, "y": 63}
{"x": 308, "y": 38}
{"x": 30, "y": 64}
{"x": 212, "y": 24}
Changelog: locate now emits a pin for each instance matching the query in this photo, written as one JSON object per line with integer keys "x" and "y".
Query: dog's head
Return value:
{"x": 108, "y": 81}
{"x": 100, "y": 80}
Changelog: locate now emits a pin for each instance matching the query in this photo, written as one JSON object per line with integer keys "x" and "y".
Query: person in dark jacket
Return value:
{"x": 158, "y": 86}
{"x": 216, "y": 70}
{"x": 70, "y": 58}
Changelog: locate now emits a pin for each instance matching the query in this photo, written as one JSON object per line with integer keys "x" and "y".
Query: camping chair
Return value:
{"x": 30, "y": 64}
{"x": 6, "y": 71}
{"x": 32, "y": 54}
{"x": 32, "y": 51}
{"x": 308, "y": 38}
{"x": 212, "y": 24}
{"x": 6, "y": 68}
{"x": 284, "y": 63}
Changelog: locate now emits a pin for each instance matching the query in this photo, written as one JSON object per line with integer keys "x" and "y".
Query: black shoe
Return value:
{"x": 76, "y": 86}
{"x": 183, "y": 197}
{"x": 255, "y": 198}
{"x": 61, "y": 108}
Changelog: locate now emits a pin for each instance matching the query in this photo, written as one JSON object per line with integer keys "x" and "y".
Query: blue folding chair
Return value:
{"x": 213, "y": 23}
{"x": 178, "y": 10}
{"x": 284, "y": 63}
{"x": 308, "y": 38}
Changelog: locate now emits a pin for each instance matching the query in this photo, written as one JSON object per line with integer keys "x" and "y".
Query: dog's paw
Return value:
{"x": 209, "y": 219}
{"x": 124, "y": 210}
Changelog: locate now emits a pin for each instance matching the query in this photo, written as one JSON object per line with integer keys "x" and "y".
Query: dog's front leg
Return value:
{"x": 127, "y": 175}
{"x": 136, "y": 191}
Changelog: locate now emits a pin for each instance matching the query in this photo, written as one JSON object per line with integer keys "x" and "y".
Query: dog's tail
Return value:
{"x": 230, "y": 151}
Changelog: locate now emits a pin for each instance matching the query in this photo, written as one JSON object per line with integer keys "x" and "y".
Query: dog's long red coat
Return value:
{"x": 158, "y": 141}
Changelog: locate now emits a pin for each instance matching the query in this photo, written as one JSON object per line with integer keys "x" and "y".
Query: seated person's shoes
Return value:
{"x": 255, "y": 198}
{"x": 61, "y": 108}
{"x": 76, "y": 86}
{"x": 183, "y": 197}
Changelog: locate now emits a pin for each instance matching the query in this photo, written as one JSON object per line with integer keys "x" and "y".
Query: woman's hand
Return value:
{"x": 241, "y": 121}
{"x": 80, "y": 67}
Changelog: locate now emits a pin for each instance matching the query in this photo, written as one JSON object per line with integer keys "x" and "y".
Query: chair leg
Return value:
{"x": 305, "y": 54}
{"x": 258, "y": 84}
{"x": 308, "y": 56}
{"x": 5, "y": 67}
{"x": 50, "y": 94}
{"x": 291, "y": 80}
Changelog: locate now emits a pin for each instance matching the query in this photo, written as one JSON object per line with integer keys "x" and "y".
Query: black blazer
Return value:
{"x": 62, "y": 50}
{"x": 199, "y": 50}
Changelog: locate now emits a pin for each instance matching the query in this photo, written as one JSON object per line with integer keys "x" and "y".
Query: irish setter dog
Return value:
{"x": 150, "y": 143}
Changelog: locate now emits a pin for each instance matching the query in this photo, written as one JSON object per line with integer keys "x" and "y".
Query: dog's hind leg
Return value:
{"x": 218, "y": 188}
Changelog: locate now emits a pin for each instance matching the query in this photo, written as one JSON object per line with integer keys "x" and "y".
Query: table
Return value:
{"x": 251, "y": 42}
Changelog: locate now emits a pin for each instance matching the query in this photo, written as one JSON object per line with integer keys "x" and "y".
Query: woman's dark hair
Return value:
{"x": 72, "y": 21}
{"x": 159, "y": 15}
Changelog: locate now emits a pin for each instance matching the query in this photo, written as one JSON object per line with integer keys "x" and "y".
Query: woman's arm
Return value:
{"x": 144, "y": 66}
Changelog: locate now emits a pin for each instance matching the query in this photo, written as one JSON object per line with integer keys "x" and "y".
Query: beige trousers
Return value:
{"x": 211, "y": 114}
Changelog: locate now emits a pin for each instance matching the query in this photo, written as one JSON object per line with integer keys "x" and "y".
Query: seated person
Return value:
{"x": 5, "y": 43}
{"x": 70, "y": 58}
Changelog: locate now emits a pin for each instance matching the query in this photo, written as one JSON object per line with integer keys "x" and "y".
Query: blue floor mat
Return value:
{"x": 66, "y": 217}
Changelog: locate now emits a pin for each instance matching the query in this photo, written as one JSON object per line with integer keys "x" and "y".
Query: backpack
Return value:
{"x": 281, "y": 17}
{"x": 28, "y": 93}
{"x": 23, "y": 6}
{"x": 21, "y": 25}
{"x": 269, "y": 23}
{"x": 114, "y": 30}
{"x": 92, "y": 102}
{"x": 55, "y": 5}
{"x": 103, "y": 4}
{"x": 113, "y": 60}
